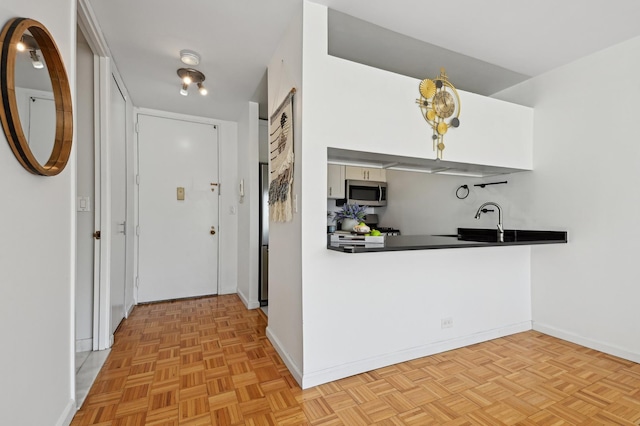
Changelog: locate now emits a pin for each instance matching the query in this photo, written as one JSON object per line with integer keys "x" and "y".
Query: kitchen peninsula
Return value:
{"x": 336, "y": 315}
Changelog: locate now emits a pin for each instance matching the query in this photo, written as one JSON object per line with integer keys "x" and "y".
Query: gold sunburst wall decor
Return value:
{"x": 440, "y": 105}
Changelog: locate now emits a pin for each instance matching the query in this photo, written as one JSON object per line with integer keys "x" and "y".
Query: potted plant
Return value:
{"x": 350, "y": 216}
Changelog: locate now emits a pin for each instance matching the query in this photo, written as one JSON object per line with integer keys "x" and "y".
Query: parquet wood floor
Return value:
{"x": 207, "y": 362}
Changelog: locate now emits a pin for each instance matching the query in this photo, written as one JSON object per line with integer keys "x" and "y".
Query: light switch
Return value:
{"x": 180, "y": 193}
{"x": 84, "y": 204}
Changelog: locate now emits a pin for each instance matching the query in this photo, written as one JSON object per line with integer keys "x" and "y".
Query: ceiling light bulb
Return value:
{"x": 37, "y": 63}
{"x": 203, "y": 90}
{"x": 21, "y": 47}
{"x": 183, "y": 91}
{"x": 187, "y": 79}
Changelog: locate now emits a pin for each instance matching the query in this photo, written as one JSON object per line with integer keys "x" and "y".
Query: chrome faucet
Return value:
{"x": 500, "y": 228}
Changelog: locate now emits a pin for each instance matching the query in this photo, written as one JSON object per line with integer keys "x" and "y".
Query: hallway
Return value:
{"x": 207, "y": 362}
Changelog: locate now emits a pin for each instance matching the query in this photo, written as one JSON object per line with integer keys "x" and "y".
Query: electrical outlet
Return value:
{"x": 446, "y": 323}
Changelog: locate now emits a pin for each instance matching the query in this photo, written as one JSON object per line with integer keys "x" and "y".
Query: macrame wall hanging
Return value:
{"x": 281, "y": 161}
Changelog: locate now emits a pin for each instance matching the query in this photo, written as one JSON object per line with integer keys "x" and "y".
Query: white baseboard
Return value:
{"x": 339, "y": 372}
{"x": 68, "y": 413}
{"x": 84, "y": 345}
{"x": 585, "y": 341}
{"x": 247, "y": 303}
{"x": 293, "y": 368}
{"x": 129, "y": 310}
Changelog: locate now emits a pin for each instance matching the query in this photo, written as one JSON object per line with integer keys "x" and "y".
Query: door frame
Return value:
{"x": 136, "y": 192}
{"x": 104, "y": 71}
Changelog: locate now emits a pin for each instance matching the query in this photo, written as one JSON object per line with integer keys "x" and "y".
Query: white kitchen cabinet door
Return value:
{"x": 335, "y": 181}
{"x": 354, "y": 173}
{"x": 366, "y": 173}
{"x": 377, "y": 175}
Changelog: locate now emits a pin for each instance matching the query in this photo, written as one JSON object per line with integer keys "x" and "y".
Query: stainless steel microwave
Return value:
{"x": 366, "y": 193}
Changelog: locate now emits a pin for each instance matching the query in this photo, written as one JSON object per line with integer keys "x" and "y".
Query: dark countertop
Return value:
{"x": 466, "y": 237}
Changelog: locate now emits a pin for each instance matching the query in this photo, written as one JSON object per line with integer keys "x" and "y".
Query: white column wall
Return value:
{"x": 248, "y": 206}
{"x": 586, "y": 171}
{"x": 85, "y": 151}
{"x": 285, "y": 239}
{"x": 37, "y": 260}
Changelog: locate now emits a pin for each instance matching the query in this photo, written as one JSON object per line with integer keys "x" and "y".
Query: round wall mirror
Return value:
{"x": 36, "y": 111}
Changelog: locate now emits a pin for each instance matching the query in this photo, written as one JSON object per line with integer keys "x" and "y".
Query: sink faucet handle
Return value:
{"x": 487, "y": 210}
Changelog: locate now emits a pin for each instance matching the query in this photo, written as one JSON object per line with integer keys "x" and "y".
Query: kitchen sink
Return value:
{"x": 510, "y": 235}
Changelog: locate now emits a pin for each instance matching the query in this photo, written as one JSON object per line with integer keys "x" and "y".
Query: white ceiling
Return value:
{"x": 236, "y": 39}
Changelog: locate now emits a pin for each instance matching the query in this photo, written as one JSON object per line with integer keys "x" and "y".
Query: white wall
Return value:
{"x": 85, "y": 152}
{"x": 383, "y": 308}
{"x": 130, "y": 259}
{"x": 586, "y": 171}
{"x": 421, "y": 203}
{"x": 263, "y": 141}
{"x": 37, "y": 260}
{"x": 248, "y": 206}
{"x": 228, "y": 176}
{"x": 285, "y": 239}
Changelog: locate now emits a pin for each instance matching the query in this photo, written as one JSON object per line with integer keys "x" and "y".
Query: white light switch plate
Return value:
{"x": 84, "y": 204}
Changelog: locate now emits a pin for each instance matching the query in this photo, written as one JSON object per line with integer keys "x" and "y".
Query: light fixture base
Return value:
{"x": 188, "y": 76}
{"x": 189, "y": 57}
{"x": 196, "y": 76}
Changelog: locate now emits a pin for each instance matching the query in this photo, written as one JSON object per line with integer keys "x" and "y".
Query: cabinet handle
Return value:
{"x": 330, "y": 190}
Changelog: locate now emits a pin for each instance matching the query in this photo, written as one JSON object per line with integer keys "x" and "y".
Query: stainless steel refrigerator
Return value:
{"x": 263, "y": 292}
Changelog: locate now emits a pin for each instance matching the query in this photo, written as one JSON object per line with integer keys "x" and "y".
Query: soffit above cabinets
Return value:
{"x": 412, "y": 164}
{"x": 369, "y": 44}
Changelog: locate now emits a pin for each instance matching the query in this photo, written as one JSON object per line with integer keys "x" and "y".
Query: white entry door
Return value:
{"x": 118, "y": 172}
{"x": 178, "y": 242}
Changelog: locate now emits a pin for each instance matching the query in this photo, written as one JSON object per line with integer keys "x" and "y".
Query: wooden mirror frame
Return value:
{"x": 11, "y": 34}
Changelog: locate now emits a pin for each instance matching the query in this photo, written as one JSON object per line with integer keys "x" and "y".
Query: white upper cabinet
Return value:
{"x": 335, "y": 181}
{"x": 366, "y": 173}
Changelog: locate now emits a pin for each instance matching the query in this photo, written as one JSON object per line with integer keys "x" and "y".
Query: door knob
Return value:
{"x": 213, "y": 230}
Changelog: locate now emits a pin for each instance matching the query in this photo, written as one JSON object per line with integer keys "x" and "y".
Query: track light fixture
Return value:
{"x": 27, "y": 42}
{"x": 35, "y": 60}
{"x": 188, "y": 76}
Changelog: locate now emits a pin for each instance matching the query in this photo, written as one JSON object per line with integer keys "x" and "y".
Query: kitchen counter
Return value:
{"x": 465, "y": 238}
